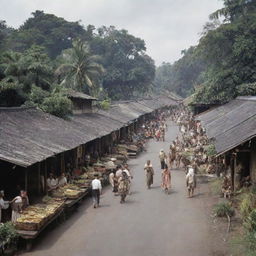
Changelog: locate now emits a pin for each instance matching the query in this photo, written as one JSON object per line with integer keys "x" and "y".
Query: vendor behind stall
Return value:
{"x": 62, "y": 180}
{"x": 52, "y": 182}
{"x": 16, "y": 207}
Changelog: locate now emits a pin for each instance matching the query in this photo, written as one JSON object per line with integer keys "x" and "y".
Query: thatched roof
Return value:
{"x": 79, "y": 95}
{"x": 231, "y": 124}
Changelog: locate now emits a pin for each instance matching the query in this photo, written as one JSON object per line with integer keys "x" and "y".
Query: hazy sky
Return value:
{"x": 167, "y": 26}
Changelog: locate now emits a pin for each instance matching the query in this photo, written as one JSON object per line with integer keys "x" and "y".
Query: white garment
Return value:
{"x": 51, "y": 183}
{"x": 190, "y": 175}
{"x": 119, "y": 173}
{"x": 15, "y": 213}
{"x": 96, "y": 184}
{"x": 63, "y": 181}
{"x": 127, "y": 172}
{"x": 111, "y": 178}
{"x": 3, "y": 205}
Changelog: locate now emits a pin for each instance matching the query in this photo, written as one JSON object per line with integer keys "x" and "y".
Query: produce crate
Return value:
{"x": 29, "y": 224}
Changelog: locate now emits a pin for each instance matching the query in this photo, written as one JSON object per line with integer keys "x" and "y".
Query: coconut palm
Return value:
{"x": 80, "y": 68}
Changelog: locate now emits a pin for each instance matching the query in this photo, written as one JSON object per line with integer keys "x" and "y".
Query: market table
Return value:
{"x": 29, "y": 236}
{"x": 70, "y": 202}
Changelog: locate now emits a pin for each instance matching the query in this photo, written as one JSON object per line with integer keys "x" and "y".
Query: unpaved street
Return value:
{"x": 150, "y": 223}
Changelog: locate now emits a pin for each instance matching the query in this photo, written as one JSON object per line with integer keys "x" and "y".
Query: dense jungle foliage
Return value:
{"x": 223, "y": 64}
{"x": 47, "y": 55}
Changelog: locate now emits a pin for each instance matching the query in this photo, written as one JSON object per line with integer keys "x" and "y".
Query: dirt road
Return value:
{"x": 150, "y": 223}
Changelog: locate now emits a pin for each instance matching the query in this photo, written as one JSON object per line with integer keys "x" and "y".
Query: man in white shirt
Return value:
{"x": 96, "y": 191}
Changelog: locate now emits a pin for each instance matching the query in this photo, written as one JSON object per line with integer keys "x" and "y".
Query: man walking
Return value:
{"x": 96, "y": 191}
{"x": 163, "y": 158}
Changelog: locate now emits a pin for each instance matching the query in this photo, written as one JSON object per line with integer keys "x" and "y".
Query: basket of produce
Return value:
{"x": 29, "y": 223}
{"x": 72, "y": 194}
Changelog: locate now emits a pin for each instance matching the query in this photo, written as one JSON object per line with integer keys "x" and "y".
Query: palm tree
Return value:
{"x": 80, "y": 68}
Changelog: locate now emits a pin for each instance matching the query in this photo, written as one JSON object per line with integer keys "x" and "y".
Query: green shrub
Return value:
{"x": 104, "y": 104}
{"x": 244, "y": 245}
{"x": 250, "y": 221}
{"x": 210, "y": 150}
{"x": 8, "y": 232}
{"x": 37, "y": 95}
{"x": 247, "y": 203}
{"x": 58, "y": 105}
{"x": 215, "y": 186}
{"x": 223, "y": 209}
{"x": 253, "y": 189}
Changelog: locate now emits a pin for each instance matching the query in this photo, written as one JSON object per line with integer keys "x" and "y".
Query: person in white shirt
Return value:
{"x": 52, "y": 183}
{"x": 96, "y": 191}
{"x": 191, "y": 181}
{"x": 3, "y": 204}
{"x": 62, "y": 180}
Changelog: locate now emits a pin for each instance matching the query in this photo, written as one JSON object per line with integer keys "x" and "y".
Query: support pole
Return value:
{"x": 39, "y": 178}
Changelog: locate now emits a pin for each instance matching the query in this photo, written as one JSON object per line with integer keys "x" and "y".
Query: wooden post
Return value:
{"x": 45, "y": 177}
{"x": 234, "y": 175}
{"x": 26, "y": 179}
{"x": 39, "y": 178}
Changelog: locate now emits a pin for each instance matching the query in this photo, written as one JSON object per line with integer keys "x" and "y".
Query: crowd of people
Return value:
{"x": 156, "y": 128}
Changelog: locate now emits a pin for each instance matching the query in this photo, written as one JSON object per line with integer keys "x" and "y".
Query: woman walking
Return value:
{"x": 191, "y": 181}
{"x": 166, "y": 179}
{"x": 123, "y": 186}
{"x": 149, "y": 173}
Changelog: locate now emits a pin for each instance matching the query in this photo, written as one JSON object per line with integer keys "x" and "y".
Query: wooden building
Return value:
{"x": 34, "y": 143}
{"x": 81, "y": 103}
{"x": 232, "y": 129}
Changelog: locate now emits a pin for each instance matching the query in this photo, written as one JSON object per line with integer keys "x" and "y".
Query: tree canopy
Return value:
{"x": 223, "y": 64}
{"x": 48, "y": 54}
{"x": 129, "y": 71}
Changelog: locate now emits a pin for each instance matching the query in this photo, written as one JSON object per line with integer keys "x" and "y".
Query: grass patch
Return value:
{"x": 244, "y": 244}
{"x": 215, "y": 186}
{"x": 223, "y": 209}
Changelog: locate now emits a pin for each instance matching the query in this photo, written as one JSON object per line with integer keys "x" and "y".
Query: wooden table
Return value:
{"x": 70, "y": 202}
{"x": 29, "y": 236}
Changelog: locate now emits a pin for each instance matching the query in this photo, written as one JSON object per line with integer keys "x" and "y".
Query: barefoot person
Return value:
{"x": 191, "y": 181}
{"x": 149, "y": 173}
{"x": 123, "y": 186}
{"x": 166, "y": 179}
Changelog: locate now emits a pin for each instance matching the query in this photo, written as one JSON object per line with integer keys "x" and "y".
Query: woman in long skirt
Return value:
{"x": 166, "y": 179}
{"x": 123, "y": 186}
{"x": 149, "y": 171}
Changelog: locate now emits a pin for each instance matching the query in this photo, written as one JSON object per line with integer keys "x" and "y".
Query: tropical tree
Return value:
{"x": 229, "y": 53}
{"x": 80, "y": 69}
{"x": 53, "y": 33}
{"x": 129, "y": 71}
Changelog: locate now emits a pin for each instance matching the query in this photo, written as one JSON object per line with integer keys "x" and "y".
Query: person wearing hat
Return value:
{"x": 3, "y": 204}
{"x": 96, "y": 191}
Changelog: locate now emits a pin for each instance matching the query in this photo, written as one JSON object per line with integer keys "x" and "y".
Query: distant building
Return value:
{"x": 82, "y": 103}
